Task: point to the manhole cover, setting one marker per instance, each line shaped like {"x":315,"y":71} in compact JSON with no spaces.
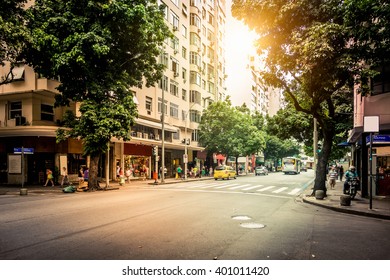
{"x":252,"y":225}
{"x":241,"y":217}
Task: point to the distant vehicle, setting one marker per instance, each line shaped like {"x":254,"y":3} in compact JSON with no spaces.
{"x":291,"y":165}
{"x":261,"y":170}
{"x":224,"y":172}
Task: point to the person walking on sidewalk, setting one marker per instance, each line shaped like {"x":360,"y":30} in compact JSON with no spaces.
{"x":341,"y":173}
{"x":332,"y":177}
{"x":64,"y":174}
{"x":49,"y":177}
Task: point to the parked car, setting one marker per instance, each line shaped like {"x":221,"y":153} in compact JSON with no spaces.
{"x":261,"y":170}
{"x":224,"y":172}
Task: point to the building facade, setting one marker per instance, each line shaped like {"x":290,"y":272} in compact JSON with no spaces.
{"x":376,"y":104}
{"x":194,"y":77}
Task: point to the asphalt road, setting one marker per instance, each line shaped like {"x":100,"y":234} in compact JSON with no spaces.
{"x":188,"y":222}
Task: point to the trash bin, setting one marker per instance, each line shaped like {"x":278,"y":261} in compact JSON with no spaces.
{"x":154,"y":175}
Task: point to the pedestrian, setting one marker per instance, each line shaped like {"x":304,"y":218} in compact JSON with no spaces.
{"x":86,"y":174}
{"x":179,"y":170}
{"x":341,"y":173}
{"x":128,"y":174}
{"x":49,"y":178}
{"x":65,"y":179}
{"x":81,"y":177}
{"x":332,"y":177}
{"x":211,"y":171}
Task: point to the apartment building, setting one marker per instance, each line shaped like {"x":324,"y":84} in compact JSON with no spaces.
{"x":252,"y":92}
{"x":194,"y":77}
{"x":376,"y":104}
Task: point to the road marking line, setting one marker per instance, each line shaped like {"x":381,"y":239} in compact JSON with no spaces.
{"x":280,"y":190}
{"x":253,"y":187}
{"x":238,"y":187}
{"x":225,"y":186}
{"x":294,"y":191}
{"x":266,"y":188}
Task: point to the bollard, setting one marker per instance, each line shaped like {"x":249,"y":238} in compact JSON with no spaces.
{"x":345,"y":200}
{"x":23,"y":191}
{"x":319,"y":194}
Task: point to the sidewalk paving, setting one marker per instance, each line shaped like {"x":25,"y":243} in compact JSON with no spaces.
{"x":359,"y":206}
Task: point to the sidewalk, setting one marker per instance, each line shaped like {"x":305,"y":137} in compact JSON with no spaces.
{"x":359,"y":206}
{"x":113,"y":185}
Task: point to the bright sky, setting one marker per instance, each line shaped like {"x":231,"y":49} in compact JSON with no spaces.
{"x":239,"y":44}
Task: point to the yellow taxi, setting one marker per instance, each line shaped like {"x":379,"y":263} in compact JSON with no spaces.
{"x":224,"y":172}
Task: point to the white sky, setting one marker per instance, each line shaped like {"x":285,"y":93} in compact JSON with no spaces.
{"x":239,"y":44}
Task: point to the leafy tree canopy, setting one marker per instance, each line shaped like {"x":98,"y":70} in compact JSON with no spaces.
{"x":13,"y":35}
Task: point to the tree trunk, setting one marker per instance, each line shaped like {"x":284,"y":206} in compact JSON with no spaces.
{"x":93,"y":183}
{"x":320,"y":179}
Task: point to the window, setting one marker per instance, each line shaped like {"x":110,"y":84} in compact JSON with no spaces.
{"x":210,"y":87}
{"x":174,"y":110}
{"x":164,"y":82}
{"x":160,"y":107}
{"x":47,"y":112}
{"x":195,"y":96}
{"x":164,"y":59}
{"x":174,"y":88}
{"x":195,"y":39}
{"x":184,"y":52}
{"x":184,"y":31}
{"x":195,"y":20}
{"x":195,"y":78}
{"x":15,"y":109}
{"x":184,"y":74}
{"x":184,"y":94}
{"x":175,"y":66}
{"x":195,"y":116}
{"x":195,"y":59}
{"x":211,"y":19}
{"x":174,"y":20}
{"x":195,"y":135}
{"x":176,"y":2}
{"x":175,"y":44}
{"x":148,"y":103}
{"x":165,"y":9}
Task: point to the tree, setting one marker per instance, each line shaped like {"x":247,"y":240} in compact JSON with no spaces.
{"x":309,"y":54}
{"x":13,"y":35}
{"x":99,"y":49}
{"x":230,"y":131}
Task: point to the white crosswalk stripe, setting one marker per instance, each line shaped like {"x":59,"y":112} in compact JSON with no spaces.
{"x":294,"y":191}
{"x":253,"y":187}
{"x":266,"y":188}
{"x":280,"y":190}
{"x":239,"y":187}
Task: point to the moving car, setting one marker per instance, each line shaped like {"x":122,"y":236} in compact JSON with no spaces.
{"x":224,"y":172}
{"x":261,"y":170}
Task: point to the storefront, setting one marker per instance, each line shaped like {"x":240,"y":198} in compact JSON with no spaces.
{"x":381,"y":163}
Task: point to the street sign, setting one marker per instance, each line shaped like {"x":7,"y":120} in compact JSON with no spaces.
{"x":185,"y":158}
{"x":27,"y":151}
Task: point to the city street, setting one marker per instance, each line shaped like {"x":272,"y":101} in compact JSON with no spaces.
{"x":251,"y":217}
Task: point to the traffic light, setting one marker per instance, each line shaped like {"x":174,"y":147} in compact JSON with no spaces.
{"x":155,"y":150}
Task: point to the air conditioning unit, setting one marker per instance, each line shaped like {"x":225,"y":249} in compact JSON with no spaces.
{"x":148,"y":112}
{"x":175,"y":28}
{"x":157,"y":137}
{"x":176,"y":74}
{"x":176,"y":51}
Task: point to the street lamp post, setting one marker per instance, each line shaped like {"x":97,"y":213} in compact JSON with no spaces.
{"x":162,"y":134}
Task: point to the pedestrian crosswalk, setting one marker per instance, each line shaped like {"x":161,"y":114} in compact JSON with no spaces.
{"x":292,"y":190}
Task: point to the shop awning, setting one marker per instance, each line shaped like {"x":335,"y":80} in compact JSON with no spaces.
{"x":43,"y":131}
{"x":344,"y":144}
{"x":157,"y":125}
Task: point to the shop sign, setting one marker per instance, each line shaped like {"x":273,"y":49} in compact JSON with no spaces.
{"x":378,"y":139}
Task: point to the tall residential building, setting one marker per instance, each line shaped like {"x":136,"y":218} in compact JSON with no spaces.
{"x":247,"y":88}
{"x":194,"y":77}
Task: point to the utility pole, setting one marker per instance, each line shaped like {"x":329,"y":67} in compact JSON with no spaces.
{"x":162,"y":133}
